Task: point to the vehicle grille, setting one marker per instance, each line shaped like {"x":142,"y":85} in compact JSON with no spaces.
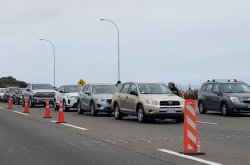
{"x":169,"y":103}
{"x":44,"y":94}
{"x":246,"y":100}
{"x":109,"y":101}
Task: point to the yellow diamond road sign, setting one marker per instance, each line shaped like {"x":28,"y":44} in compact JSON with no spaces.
{"x":81,"y":82}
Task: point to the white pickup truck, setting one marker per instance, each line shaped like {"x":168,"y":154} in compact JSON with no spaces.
{"x":68,"y":94}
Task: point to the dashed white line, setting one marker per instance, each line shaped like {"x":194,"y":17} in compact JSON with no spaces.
{"x":189,"y":157}
{"x":204,"y":122}
{"x":69,"y":125}
{"x":21,"y":113}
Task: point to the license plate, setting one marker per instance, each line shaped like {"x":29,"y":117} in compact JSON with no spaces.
{"x":170,"y":111}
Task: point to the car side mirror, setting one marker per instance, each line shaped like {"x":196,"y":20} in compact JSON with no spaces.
{"x":87,"y":92}
{"x":60,"y":91}
{"x":133,"y":93}
{"x":218,"y":93}
{"x":28,"y":90}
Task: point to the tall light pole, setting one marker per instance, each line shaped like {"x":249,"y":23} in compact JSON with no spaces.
{"x":54,"y":58}
{"x":118,"y":46}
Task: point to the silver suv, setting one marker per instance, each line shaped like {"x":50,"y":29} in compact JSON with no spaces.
{"x":95,"y":98}
{"x":147,"y":100}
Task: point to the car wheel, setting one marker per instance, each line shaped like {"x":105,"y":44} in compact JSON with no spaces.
{"x":56,"y":107}
{"x":92,"y":109}
{"x":179,"y":119}
{"x":65,"y":108}
{"x":225,"y":110}
{"x":141,"y":117}
{"x":79,"y":109}
{"x":202,"y":110}
{"x":117,"y":113}
{"x":30,"y":103}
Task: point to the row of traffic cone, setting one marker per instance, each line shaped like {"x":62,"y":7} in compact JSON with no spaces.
{"x":47,"y":110}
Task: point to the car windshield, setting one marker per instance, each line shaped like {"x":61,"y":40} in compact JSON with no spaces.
{"x":71,"y":89}
{"x":235,"y":88}
{"x":2,"y":90}
{"x":12,"y":89}
{"x":103,"y":89}
{"x":41,"y":86}
{"x":20,"y":91}
{"x":154,"y":88}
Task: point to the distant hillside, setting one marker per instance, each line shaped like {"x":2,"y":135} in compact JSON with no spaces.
{"x":11,"y":81}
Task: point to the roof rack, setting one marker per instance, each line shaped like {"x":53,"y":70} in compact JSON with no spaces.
{"x":222,"y":80}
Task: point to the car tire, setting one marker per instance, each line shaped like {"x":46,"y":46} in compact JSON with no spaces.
{"x":117,"y":112}
{"x":79,"y":108}
{"x":93,"y":110}
{"x":201,"y":108}
{"x":141,"y":117}
{"x":30,"y":103}
{"x":56,"y":107}
{"x":225,"y":110}
{"x":179,"y":119}
{"x":65,"y":108}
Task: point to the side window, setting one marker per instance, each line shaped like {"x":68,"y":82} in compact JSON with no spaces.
{"x":120,"y":87}
{"x":216,"y":88}
{"x":86,"y":88}
{"x":132,"y":88}
{"x":204,"y":87}
{"x":209,"y":87}
{"x":125,"y":88}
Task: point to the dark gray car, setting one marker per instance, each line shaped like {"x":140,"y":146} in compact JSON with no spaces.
{"x":225,"y":96}
{"x":96,"y":98}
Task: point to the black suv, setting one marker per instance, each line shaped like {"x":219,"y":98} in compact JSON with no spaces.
{"x":226,"y":96}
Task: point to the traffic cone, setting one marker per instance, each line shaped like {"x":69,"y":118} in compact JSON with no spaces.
{"x":10,"y":103}
{"x":60,"y":114}
{"x":25,"y":108}
{"x":191,"y":143}
{"x":47,"y":110}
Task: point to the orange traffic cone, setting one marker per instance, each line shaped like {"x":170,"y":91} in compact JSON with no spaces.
{"x":25,"y":108}
{"x":47,"y":110}
{"x":60,"y":114}
{"x":190,"y":139}
{"x":10,"y":103}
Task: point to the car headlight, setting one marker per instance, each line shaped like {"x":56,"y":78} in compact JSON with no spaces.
{"x":152,"y":102}
{"x":182,"y":102}
{"x":235,"y":99}
{"x":100,"y":99}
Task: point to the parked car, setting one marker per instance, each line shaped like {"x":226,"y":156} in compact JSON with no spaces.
{"x":17,"y":96}
{"x":38,"y":94}
{"x":147,"y":101}
{"x":225,"y":96}
{"x":68,"y":94}
{"x":8,"y":93}
{"x":96,"y":98}
{"x":2,"y":91}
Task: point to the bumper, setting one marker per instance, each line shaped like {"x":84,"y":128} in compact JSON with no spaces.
{"x":163,"y":111}
{"x":240,"y":107}
{"x":71,"y":102}
{"x":103,"y":106}
{"x":37,"y":100}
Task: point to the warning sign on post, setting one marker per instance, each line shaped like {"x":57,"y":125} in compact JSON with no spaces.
{"x":81,"y":82}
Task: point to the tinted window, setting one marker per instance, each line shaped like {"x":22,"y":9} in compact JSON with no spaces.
{"x":125,"y":88}
{"x":204,"y":87}
{"x":216,"y":88}
{"x":103,"y":89}
{"x":154,"y":88}
{"x":209,"y":87}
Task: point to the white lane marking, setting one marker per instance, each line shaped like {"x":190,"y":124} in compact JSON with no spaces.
{"x":204,"y":122}
{"x":189,"y":157}
{"x":21,"y":113}
{"x":69,"y":125}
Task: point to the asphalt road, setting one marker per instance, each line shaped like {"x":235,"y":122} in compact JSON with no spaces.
{"x":32,"y":140}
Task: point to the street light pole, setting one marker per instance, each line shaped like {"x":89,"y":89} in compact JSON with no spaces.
{"x":54,"y":59}
{"x":118,"y":45}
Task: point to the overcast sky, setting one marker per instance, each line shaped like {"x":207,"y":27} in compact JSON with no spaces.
{"x":185,"y":41}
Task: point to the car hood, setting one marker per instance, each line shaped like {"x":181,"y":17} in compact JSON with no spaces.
{"x":104,"y":96}
{"x":72,"y":94}
{"x":238,"y":94}
{"x":165,"y":97}
{"x":43,"y":90}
